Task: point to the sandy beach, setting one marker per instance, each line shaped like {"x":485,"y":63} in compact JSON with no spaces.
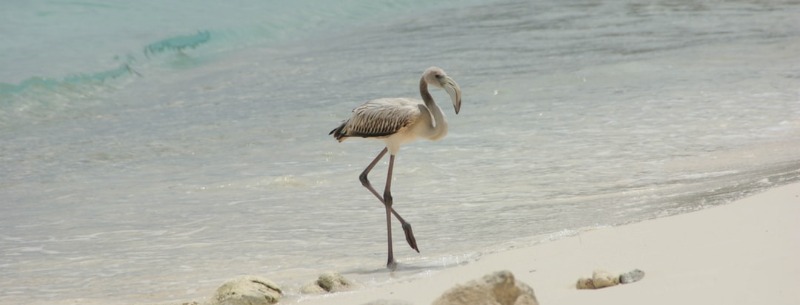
{"x":744,"y":252}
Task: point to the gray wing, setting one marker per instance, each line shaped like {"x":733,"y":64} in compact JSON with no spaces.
{"x":379,"y":118}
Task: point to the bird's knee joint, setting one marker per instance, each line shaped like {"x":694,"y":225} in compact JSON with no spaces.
{"x":363,"y":179}
{"x":387,"y":198}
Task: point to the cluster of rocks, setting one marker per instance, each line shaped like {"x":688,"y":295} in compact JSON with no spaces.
{"x":498,"y":288}
{"x":256,"y":290}
{"x":602,"y":279}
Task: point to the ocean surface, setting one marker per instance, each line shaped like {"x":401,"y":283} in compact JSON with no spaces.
{"x":151,"y":150}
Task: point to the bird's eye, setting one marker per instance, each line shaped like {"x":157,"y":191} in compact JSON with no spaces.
{"x":439,"y":76}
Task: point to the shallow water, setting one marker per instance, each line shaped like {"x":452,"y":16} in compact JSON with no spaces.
{"x":199,"y":163}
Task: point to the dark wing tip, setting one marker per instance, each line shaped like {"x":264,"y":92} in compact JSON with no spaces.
{"x":337,"y":132}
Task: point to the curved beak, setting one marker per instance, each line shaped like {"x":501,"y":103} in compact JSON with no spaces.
{"x":454,"y":91}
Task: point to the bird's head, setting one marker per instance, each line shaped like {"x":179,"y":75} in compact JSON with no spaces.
{"x":436,"y":77}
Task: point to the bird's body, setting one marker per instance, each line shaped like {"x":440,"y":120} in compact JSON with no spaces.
{"x":398,"y":121}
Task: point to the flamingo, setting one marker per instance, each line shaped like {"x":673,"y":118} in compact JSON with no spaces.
{"x":397,"y":121}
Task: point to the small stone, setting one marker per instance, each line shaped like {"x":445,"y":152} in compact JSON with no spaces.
{"x":634,"y":275}
{"x":312,"y":288}
{"x":584,"y":283}
{"x":248,"y":290}
{"x":332,"y":281}
{"x":328,"y":282}
{"x":602,"y":279}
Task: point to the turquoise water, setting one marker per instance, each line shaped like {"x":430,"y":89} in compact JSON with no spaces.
{"x":59,"y":52}
{"x":167,"y":147}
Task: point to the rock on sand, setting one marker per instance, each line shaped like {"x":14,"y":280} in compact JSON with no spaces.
{"x":497,"y":288}
{"x":328,"y":282}
{"x":601,"y":279}
{"x":634,"y":275}
{"x":247,"y":290}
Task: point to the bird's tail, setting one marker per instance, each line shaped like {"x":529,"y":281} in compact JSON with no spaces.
{"x":337,"y":132}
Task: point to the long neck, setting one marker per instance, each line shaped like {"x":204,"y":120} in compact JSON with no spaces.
{"x":438,"y":128}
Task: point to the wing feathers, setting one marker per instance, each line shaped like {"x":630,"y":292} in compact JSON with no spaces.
{"x":378,"y":118}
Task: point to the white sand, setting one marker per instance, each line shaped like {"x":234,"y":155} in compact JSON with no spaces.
{"x":746,"y":252}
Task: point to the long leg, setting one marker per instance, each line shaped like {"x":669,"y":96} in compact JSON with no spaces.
{"x":365,"y":182}
{"x":387,"y":202}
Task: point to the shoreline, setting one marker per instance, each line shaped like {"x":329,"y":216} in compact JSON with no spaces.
{"x":743,"y":252}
